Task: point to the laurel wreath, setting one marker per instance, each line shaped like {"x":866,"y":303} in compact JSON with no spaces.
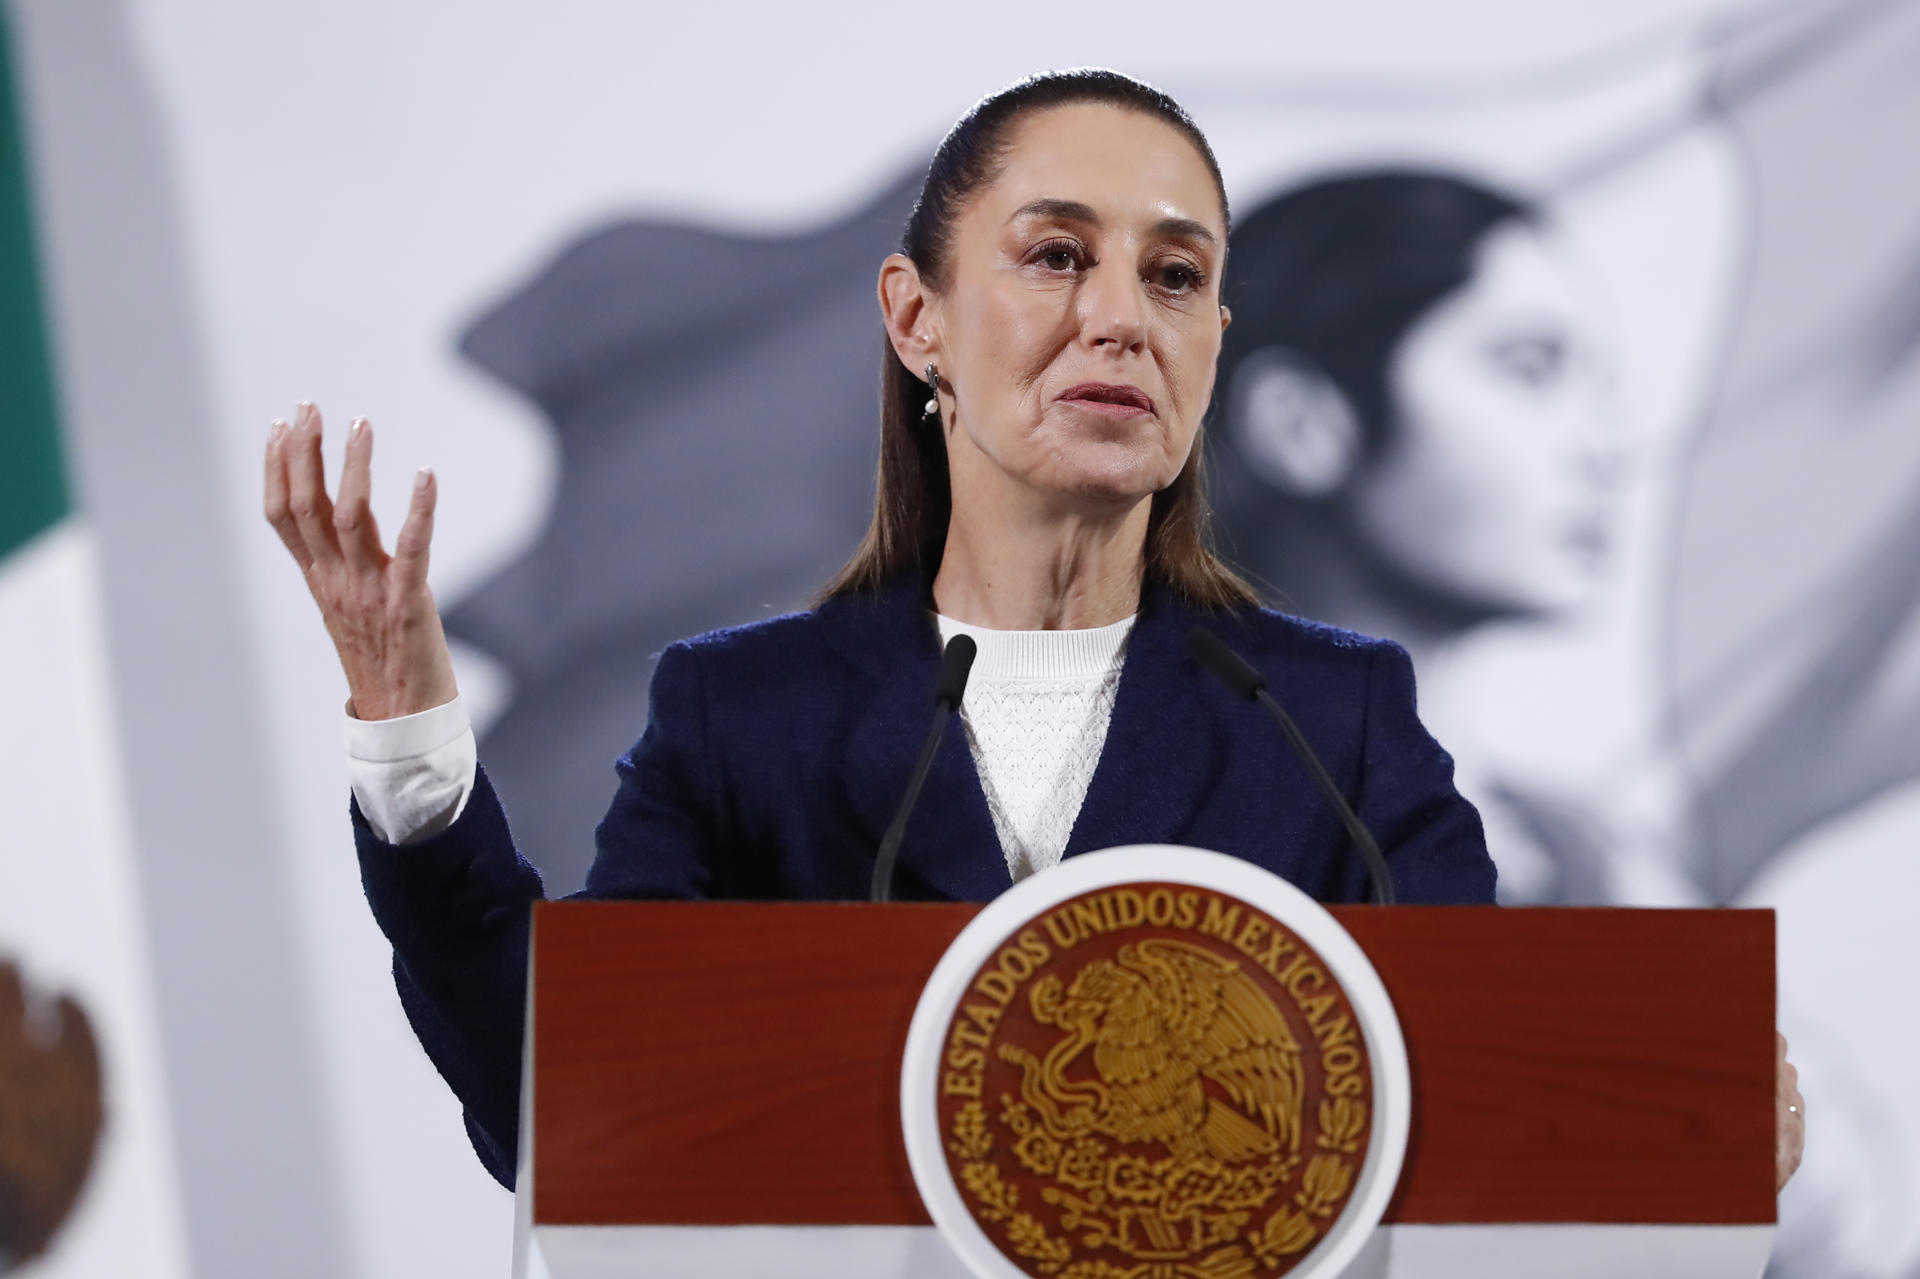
{"x":1092,"y":1185}
{"x":996,"y":1199}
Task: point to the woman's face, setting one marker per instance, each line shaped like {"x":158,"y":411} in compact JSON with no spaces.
{"x":1493,"y":489}
{"x":1080,"y":323}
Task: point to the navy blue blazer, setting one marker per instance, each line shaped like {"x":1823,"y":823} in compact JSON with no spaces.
{"x":775,"y":753}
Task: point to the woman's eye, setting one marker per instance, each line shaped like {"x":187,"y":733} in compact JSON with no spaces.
{"x":1059,"y":257}
{"x":1178,"y":277}
{"x":1534,"y":362}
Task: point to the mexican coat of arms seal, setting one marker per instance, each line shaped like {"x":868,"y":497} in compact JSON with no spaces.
{"x":1151,"y":1079}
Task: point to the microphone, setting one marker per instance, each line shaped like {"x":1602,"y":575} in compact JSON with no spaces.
{"x":1239,"y":675}
{"x":956,"y":662}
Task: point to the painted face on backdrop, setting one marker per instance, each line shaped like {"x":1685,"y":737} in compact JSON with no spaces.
{"x":1495,"y":484}
{"x":1080,"y":325}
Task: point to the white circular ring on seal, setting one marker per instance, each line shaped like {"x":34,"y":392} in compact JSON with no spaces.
{"x":1164,"y":864}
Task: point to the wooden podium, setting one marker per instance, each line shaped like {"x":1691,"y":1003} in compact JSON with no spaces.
{"x":713,"y":1089}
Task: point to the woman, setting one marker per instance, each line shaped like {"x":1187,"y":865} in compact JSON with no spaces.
{"x":1053,"y":323}
{"x":1415,"y":442}
{"x":1416,"y":401}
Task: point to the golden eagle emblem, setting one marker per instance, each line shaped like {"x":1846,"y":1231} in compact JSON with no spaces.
{"x":1178,"y":1105}
{"x":1162,"y":1017}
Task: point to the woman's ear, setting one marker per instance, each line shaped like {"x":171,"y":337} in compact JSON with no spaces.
{"x":1296,"y":429}
{"x":905,"y":307}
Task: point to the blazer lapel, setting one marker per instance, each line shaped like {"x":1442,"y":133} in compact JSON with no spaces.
{"x":950,"y":850}
{"x":1164,"y":753}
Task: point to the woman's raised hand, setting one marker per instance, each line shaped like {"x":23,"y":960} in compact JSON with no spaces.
{"x":376,"y":606}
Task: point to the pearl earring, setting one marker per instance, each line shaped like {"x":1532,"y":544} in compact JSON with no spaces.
{"x":933,"y":403}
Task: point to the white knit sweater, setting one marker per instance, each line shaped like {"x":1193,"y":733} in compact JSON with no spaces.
{"x":1036,"y":712}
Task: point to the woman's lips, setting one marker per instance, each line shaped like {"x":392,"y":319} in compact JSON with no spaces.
{"x":1109,"y":399}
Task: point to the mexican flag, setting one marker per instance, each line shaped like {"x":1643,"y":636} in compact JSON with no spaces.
{"x":70,"y":915}
{"x":34,"y":495}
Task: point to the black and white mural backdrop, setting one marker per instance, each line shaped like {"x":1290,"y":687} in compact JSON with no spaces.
{"x":1578,"y":351}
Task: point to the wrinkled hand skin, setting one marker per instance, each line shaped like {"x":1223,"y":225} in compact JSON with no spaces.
{"x":377,"y":607}
{"x":1790,"y":1115}
{"x":50,"y":1116}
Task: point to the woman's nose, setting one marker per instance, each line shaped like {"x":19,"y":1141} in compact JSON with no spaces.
{"x":1113,"y":314}
{"x":1600,"y":457}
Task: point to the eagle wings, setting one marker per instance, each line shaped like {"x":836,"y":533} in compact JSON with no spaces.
{"x":1163,"y":1017}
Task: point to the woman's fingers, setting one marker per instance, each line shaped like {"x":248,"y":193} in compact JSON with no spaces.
{"x":1792,"y":1115}
{"x":353,"y":520}
{"x":307,"y":489}
{"x":329,"y":533}
{"x":416,"y":533}
{"x":279,"y":511}
{"x":377,"y":609}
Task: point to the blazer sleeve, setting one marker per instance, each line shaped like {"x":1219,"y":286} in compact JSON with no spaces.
{"x":457,"y":907}
{"x":1435,"y":846}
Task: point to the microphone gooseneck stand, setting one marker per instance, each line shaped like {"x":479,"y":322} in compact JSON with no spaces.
{"x":1239,"y":675}
{"x":956,"y":662}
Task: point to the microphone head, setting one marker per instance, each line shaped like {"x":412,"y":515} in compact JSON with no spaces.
{"x":1227,"y":666}
{"x":956,"y":663}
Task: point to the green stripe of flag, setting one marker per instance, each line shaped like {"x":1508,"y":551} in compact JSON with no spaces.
{"x":33,"y":487}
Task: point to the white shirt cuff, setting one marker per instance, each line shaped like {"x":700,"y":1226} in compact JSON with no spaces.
{"x":413,"y":774}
